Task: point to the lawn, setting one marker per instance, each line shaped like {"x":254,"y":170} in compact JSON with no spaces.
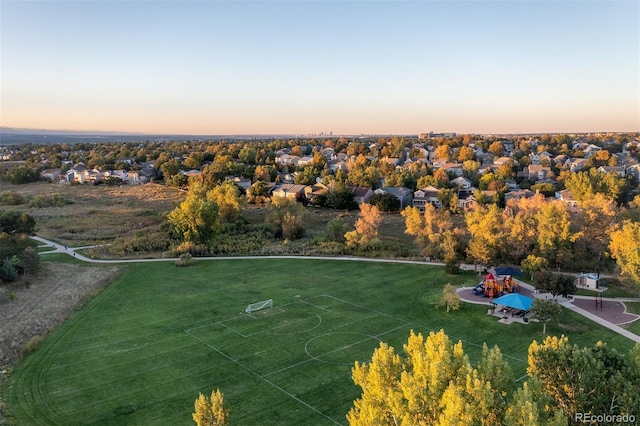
{"x":141,"y":351}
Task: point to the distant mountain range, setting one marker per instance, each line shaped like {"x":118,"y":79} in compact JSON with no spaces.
{"x":42,"y":132}
{"x":19,"y":136}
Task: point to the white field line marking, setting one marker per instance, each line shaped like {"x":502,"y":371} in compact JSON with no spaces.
{"x":318,"y":357}
{"x":450,"y":336}
{"x":265,"y":379}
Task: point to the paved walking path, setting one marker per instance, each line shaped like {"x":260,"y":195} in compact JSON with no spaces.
{"x":578,"y":304}
{"x":612,"y":315}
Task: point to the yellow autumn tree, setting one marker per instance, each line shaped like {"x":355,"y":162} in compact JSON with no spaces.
{"x":424,"y":387}
{"x":211,"y":411}
{"x":366,"y":225}
{"x":450,"y":298}
{"x":625,"y":249}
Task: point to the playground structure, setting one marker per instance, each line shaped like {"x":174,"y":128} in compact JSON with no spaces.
{"x":495,"y":287}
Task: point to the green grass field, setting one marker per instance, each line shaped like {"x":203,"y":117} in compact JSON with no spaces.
{"x":141,"y":351}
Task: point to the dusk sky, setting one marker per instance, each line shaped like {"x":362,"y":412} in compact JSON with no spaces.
{"x":298,"y":67}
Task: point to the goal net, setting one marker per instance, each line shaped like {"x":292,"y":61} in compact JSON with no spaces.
{"x":265,"y":304}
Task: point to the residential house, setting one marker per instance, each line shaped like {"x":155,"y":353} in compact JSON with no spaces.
{"x":536,"y":172}
{"x":560,"y":159}
{"x":590,"y":150}
{"x":426,"y":195}
{"x":289,"y":191}
{"x":576,"y":164}
{"x":314,"y":191}
{"x":403,"y":194}
{"x":303,"y":161}
{"x":466,"y":199}
{"x":361,"y":194}
{"x":455,"y":168}
{"x":51,"y":174}
{"x":634,"y":171}
{"x":336,"y":165}
{"x":616,"y":170}
{"x":501,"y":161}
{"x":462,"y":182}
{"x":390,"y":160}
{"x":518,"y":194}
{"x":567,"y":197}
{"x":241,"y":182}
{"x":286,"y":159}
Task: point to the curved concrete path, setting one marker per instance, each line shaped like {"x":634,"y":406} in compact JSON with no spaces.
{"x":568,"y":303}
{"x":612,"y":317}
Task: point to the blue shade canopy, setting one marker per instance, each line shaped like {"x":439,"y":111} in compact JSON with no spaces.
{"x":508,"y":270}
{"x":514,"y":300}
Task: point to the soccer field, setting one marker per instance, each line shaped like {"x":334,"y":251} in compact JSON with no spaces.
{"x":141,"y":351}
{"x":302,"y":343}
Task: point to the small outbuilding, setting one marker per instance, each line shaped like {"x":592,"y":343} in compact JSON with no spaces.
{"x":590,"y":281}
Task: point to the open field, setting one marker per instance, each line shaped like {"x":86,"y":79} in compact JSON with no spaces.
{"x":98,"y":214}
{"x":141,"y":351}
{"x":127,"y":220}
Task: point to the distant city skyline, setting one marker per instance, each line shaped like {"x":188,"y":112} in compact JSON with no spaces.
{"x":297,"y":67}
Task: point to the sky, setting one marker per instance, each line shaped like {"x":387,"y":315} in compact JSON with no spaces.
{"x":301,"y":67}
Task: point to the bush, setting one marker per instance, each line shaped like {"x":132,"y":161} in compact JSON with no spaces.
{"x":11,"y":198}
{"x":8,"y":272}
{"x":51,"y":200}
{"x":31,"y":345}
{"x":192,"y":249}
{"x":185,"y":260}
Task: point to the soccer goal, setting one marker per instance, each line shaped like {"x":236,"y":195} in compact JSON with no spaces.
{"x":265,"y":304}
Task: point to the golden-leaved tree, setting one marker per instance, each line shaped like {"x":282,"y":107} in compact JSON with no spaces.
{"x":212,"y":411}
{"x":366,"y":225}
{"x":625,"y":249}
{"x":434,"y":384}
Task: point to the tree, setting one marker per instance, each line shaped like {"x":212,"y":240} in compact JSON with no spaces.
{"x":554,"y":235}
{"x":340,"y":196}
{"x":450,"y":298}
{"x":258,"y":193}
{"x":625,"y":249}
{"x":29,"y":261}
{"x":195,"y":219}
{"x":442,"y":153}
{"x":366,"y":225}
{"x":194,"y":161}
{"x":429,"y":228}
{"x":486,"y":225}
{"x":585,"y":380}
{"x":336,"y":228}
{"x":286,"y":218}
{"x":170,"y":168}
{"x":556,"y":284}
{"x":533,"y":263}
{"x":22,"y":174}
{"x":8,"y":272}
{"x":212,"y":411}
{"x":547,"y":311}
{"x":433,"y":383}
{"x":227,"y":197}
{"x":15,"y":222}
{"x":385,"y":202}
{"x":496,"y":148}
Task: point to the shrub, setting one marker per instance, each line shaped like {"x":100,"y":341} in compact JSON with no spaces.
{"x":8,"y":272}
{"x":185,"y":260}
{"x":31,"y":345}
{"x":11,"y":198}
{"x":50,"y":200}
